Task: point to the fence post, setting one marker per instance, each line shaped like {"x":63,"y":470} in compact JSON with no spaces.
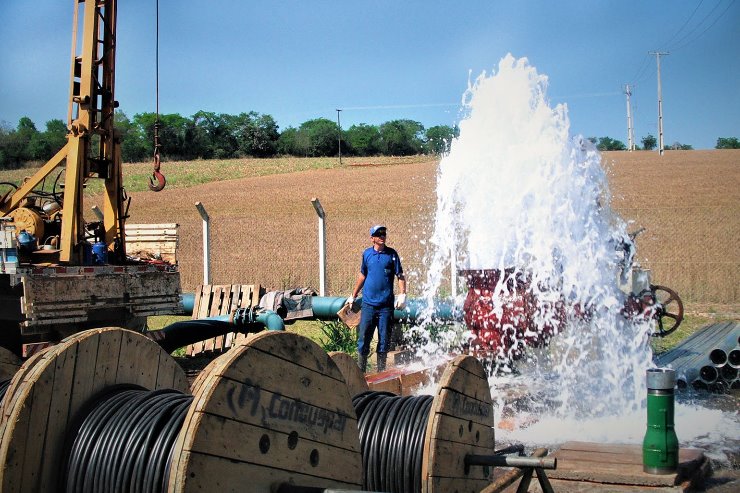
{"x":322,"y":245}
{"x":206,"y":243}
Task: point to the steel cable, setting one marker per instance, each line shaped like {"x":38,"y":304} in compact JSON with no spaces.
{"x":392,"y":431}
{"x":124,"y":443}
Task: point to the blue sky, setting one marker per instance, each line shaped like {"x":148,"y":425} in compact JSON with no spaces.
{"x":382,"y":60}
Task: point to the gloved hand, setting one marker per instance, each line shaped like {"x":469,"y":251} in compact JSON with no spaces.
{"x":350,"y":300}
{"x":400,"y":303}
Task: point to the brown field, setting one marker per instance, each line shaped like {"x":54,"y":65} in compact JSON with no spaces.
{"x":264,"y":229}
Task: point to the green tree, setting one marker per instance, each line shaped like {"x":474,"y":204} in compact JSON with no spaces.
{"x":256,"y":135}
{"x":318,"y":137}
{"x":609,"y":144}
{"x":215,"y":134}
{"x":363,"y":140}
{"x":649,"y":142}
{"x":727,"y":143}
{"x":439,"y":139}
{"x":56,"y":135}
{"x":133,"y":145}
{"x":401,"y":138}
{"x":287,"y":143}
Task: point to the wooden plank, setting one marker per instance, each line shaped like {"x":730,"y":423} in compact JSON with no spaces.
{"x":224,"y":310}
{"x":281,"y":454}
{"x":471,"y":485}
{"x":618,"y":464}
{"x":226,"y":476}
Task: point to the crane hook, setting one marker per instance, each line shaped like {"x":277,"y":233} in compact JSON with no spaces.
{"x":157,"y":181}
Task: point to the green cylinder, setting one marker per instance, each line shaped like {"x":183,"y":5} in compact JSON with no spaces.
{"x":660,"y":446}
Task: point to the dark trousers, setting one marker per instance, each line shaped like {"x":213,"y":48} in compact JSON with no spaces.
{"x":372,"y":317}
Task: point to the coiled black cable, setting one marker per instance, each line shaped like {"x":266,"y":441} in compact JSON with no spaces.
{"x":4,"y":384}
{"x":392,"y":431}
{"x":125,"y":442}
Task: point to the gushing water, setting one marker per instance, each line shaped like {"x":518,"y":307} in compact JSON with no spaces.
{"x":517,"y":191}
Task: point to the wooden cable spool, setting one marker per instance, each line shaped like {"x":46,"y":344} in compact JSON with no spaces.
{"x":460,"y":423}
{"x":353,"y":376}
{"x":274,"y":409}
{"x":51,"y":388}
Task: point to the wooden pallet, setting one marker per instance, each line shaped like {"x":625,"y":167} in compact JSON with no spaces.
{"x":214,"y":300}
{"x":155,"y":241}
{"x":595,"y":467}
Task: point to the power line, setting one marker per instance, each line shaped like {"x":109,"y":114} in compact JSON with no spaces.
{"x":667,"y":43}
{"x":708,"y":27}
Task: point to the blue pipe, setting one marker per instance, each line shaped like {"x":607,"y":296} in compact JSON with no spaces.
{"x":326,"y":308}
{"x":187,"y":300}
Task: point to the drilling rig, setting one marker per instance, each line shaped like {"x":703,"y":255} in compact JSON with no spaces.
{"x":59,"y":273}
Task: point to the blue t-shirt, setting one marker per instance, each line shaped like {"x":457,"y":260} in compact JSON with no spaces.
{"x":379,"y":269}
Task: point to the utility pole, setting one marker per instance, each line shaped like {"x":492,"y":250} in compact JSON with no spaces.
{"x":339,"y":138}
{"x":661,"y":147}
{"x":630,"y":129}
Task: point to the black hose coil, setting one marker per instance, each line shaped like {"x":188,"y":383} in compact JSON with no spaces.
{"x":125,"y":442}
{"x":392,"y":430}
{"x":4,"y":388}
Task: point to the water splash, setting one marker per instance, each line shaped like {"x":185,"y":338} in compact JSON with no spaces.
{"x":517,"y":191}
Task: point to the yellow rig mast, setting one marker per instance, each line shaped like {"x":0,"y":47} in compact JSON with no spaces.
{"x":92,"y":149}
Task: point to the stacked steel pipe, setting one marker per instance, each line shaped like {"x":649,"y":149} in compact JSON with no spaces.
{"x":709,"y":359}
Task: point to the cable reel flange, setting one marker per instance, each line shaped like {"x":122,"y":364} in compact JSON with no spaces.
{"x":274,"y":409}
{"x":460,"y":423}
{"x":48,"y":392}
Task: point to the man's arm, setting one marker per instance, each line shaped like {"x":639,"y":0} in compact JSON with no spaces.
{"x":358,"y":285}
{"x":401,"y":283}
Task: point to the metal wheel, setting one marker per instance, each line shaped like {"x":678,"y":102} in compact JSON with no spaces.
{"x":668,"y":310}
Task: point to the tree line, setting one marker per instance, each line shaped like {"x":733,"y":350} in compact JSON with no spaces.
{"x":208,"y":135}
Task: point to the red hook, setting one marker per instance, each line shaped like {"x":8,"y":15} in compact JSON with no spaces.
{"x":158,"y":185}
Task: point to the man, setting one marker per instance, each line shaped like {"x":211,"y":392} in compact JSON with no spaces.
{"x":380,"y":264}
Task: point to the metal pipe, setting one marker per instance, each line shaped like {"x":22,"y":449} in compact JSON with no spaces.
{"x":510,"y":477}
{"x":708,"y":374}
{"x":506,"y":461}
{"x":734,"y":358}
{"x":206,"y":242}
{"x":728,"y":373}
{"x":718,"y":356}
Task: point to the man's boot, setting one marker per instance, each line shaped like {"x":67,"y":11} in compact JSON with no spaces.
{"x":362,"y":362}
{"x":381,"y":361}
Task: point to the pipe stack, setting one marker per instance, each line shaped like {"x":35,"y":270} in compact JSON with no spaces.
{"x":709,"y":359}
